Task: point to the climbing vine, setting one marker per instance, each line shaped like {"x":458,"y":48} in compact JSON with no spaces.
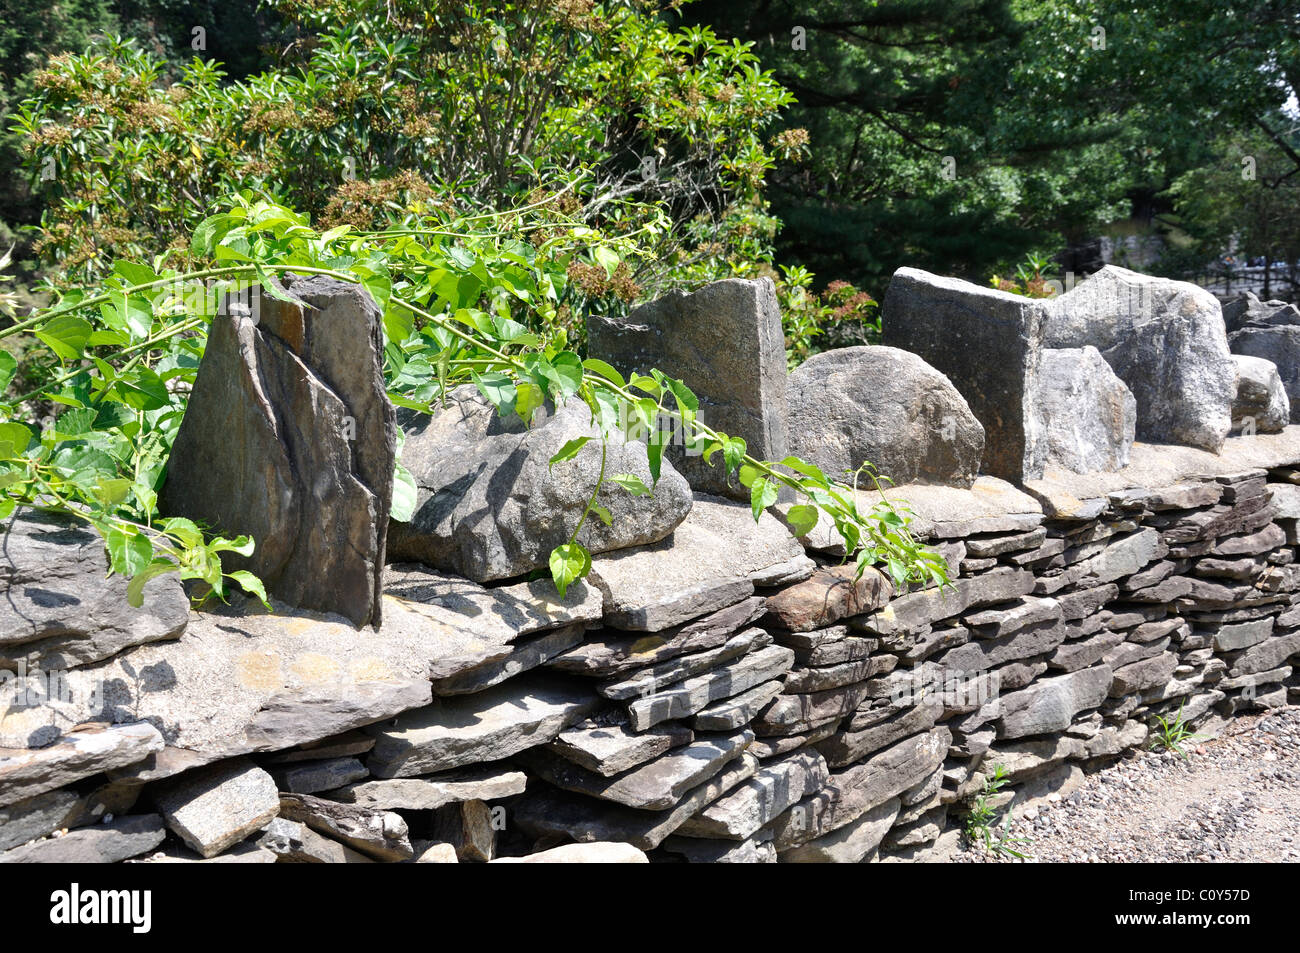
{"x":470,"y":301}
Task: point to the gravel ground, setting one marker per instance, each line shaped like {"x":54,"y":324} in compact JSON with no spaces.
{"x":1234,"y":798}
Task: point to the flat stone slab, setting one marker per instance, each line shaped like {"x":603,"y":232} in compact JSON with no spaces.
{"x":494,"y":724}
{"x":611,"y":750}
{"x":380,"y":835}
{"x":1063,"y":494}
{"x":779,"y":783}
{"x":605,"y":852}
{"x":687,"y":697}
{"x":124,"y":838}
{"x":709,"y":562}
{"x":653,"y":679}
{"x":310,"y":777}
{"x":26,"y":772}
{"x":549,"y":811}
{"x":656,"y":786}
{"x":426,"y":794}
{"x":220,"y":805}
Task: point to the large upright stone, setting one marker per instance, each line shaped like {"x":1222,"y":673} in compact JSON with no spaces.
{"x":1089,"y":413}
{"x":725,"y":342}
{"x":1279,"y":343}
{"x":289,"y":437}
{"x":1164,"y":339}
{"x":491,"y":506}
{"x":989,"y":345}
{"x":59,"y":607}
{"x":887,"y":407}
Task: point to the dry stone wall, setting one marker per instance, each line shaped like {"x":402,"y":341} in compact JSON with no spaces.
{"x":719,"y":691}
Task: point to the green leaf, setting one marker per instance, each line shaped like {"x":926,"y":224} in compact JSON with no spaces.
{"x":498,"y":389}
{"x":135,"y":587}
{"x":633,"y":484}
{"x":66,"y":336}
{"x":567,"y":368}
{"x":129,"y":551}
{"x":8,"y":367}
{"x":569,"y":563}
{"x":604,"y":370}
{"x":404,"y":495}
{"x":686,"y":399}
{"x":802,"y":519}
{"x":528,"y":398}
{"x":762,"y":494}
{"x":733,"y":453}
{"x":250,"y":584}
{"x":607,"y":258}
{"x":605,"y":516}
{"x":568,"y":451}
{"x":14,"y":439}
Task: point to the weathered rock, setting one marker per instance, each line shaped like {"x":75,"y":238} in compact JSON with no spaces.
{"x":491,"y":725}
{"x":656,"y":678}
{"x":1148,"y":673}
{"x":289,"y":437}
{"x":37,"y":816}
{"x":914,"y":611}
{"x":524,"y":655}
{"x":485,"y":783}
{"x":847,"y":747}
{"x":1246,"y":309}
{"x":689,"y":696}
{"x":887,"y":407}
{"x":608,"y":652}
{"x":437,"y":854}
{"x":696,"y":851}
{"x":125,"y":837}
{"x":61,"y":608}
{"x":1050,"y":704}
{"x":611,"y":750}
{"x":827,"y":596}
{"x":850,"y":843}
{"x":996,"y":622}
{"x":736,"y":711}
{"x":777,"y":785}
{"x":491,"y":506}
{"x":27,"y":772}
{"x":605,"y":852}
{"x":712,"y":560}
{"x":556,"y":813}
{"x":309,"y":847}
{"x":314,"y":776}
{"x":381,"y":835}
{"x":1261,"y":404}
{"x":470,"y":828}
{"x":1242,"y":635}
{"x":1266,"y":655}
{"x":725,"y":343}
{"x":1279,"y":344}
{"x":656,"y":786}
{"x":220,"y":805}
{"x":1089,"y":413}
{"x":1074,"y":655}
{"x":989,"y":345}
{"x":1165,"y":340}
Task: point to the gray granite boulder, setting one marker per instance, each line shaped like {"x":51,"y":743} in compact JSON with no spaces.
{"x":490,"y":505}
{"x":887,"y":407}
{"x":988,"y":343}
{"x":1090,"y":415}
{"x":1164,"y":339}
{"x":725,"y":342}
{"x":59,"y":607}
{"x":1246,"y":309}
{"x":289,"y":437}
{"x":1279,"y":344}
{"x":1262,"y":404}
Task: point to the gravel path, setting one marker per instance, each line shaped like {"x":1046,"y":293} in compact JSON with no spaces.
{"x":1234,"y":798}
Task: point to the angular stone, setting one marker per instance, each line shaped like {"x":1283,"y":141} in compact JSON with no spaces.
{"x":916,"y":610}
{"x":125,"y":837}
{"x":656,"y":786}
{"x":989,"y":546}
{"x":347,"y":744}
{"x":218,"y":806}
{"x":1278,"y":344}
{"x":751,"y":851}
{"x":847,"y":747}
{"x":468,"y":827}
{"x":848,"y":844}
{"x":654,"y":679}
{"x":1242,"y":635}
{"x":1143,"y":675}
{"x":525,"y":655}
{"x":1032,"y":756}
{"x":1261,"y":404}
{"x":313,"y":848}
{"x":1266,"y":655}
{"x":437,"y":854}
{"x":992,"y":623}
{"x":1165,"y":340}
{"x":794,"y":714}
{"x":777,"y":785}
{"x":828,"y":596}
{"x":491,"y":725}
{"x":37,"y":816}
{"x":687,"y":697}
{"x":485,"y":783}
{"x":314,"y":776}
{"x":708,"y":563}
{"x":1074,"y":655}
{"x":804,"y":681}
{"x":1090,"y":414}
{"x":1050,"y":704}
{"x":289,"y":438}
{"x":489,"y":505}
{"x":989,"y":345}
{"x":555,"y":813}
{"x":60,"y":606}
{"x":987,"y":653}
{"x":611,"y":750}
{"x":736,"y":711}
{"x":380,"y":835}
{"x":725,"y":343}
{"x":918,"y":429}
{"x":27,"y":772}
{"x":606,"y":652}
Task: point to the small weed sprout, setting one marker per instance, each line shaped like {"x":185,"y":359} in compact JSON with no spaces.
{"x":1170,"y":734}
{"x":983,"y":816}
